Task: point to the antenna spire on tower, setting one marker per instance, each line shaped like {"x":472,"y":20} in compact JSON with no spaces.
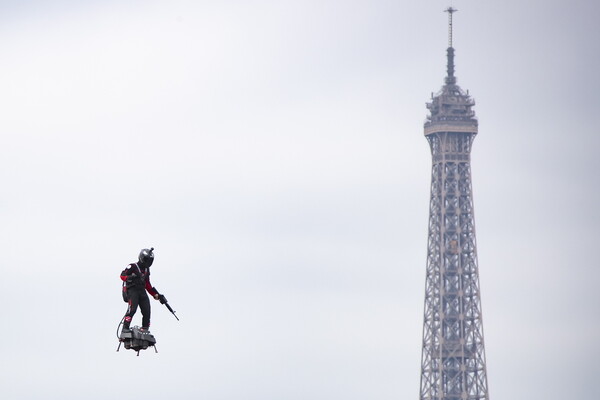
{"x":450,"y":79}
{"x":450,"y":11}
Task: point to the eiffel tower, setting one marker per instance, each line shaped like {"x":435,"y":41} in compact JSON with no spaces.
{"x":453,"y":356}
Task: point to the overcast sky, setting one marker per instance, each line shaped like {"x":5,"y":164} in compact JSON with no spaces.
{"x":273,"y":154}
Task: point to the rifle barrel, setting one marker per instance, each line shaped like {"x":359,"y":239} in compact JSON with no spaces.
{"x":170,"y":309}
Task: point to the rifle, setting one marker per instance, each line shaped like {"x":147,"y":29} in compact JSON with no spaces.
{"x":163,"y":300}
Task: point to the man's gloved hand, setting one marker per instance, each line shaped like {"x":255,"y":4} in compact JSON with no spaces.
{"x":156,"y":296}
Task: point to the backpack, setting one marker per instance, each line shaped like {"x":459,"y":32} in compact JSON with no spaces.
{"x":125,"y":294}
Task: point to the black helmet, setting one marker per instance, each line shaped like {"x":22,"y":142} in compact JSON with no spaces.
{"x":146,"y":257}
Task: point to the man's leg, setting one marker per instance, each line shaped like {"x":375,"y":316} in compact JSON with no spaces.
{"x":144,"y":303}
{"x":134,"y":299}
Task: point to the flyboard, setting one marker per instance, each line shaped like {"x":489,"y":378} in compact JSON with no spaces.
{"x":137,"y":338}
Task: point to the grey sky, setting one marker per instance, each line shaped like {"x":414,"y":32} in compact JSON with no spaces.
{"x":273,"y":154}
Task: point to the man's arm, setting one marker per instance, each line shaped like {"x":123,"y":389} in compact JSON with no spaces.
{"x":128,"y":273}
{"x":125,"y":274}
{"x":151,"y":289}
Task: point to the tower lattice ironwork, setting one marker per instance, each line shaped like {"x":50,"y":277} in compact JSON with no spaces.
{"x":453,"y":363}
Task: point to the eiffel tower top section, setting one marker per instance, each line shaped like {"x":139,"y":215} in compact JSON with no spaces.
{"x":450,"y":110}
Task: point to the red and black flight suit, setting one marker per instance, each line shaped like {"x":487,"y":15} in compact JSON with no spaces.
{"x":137,"y":282}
